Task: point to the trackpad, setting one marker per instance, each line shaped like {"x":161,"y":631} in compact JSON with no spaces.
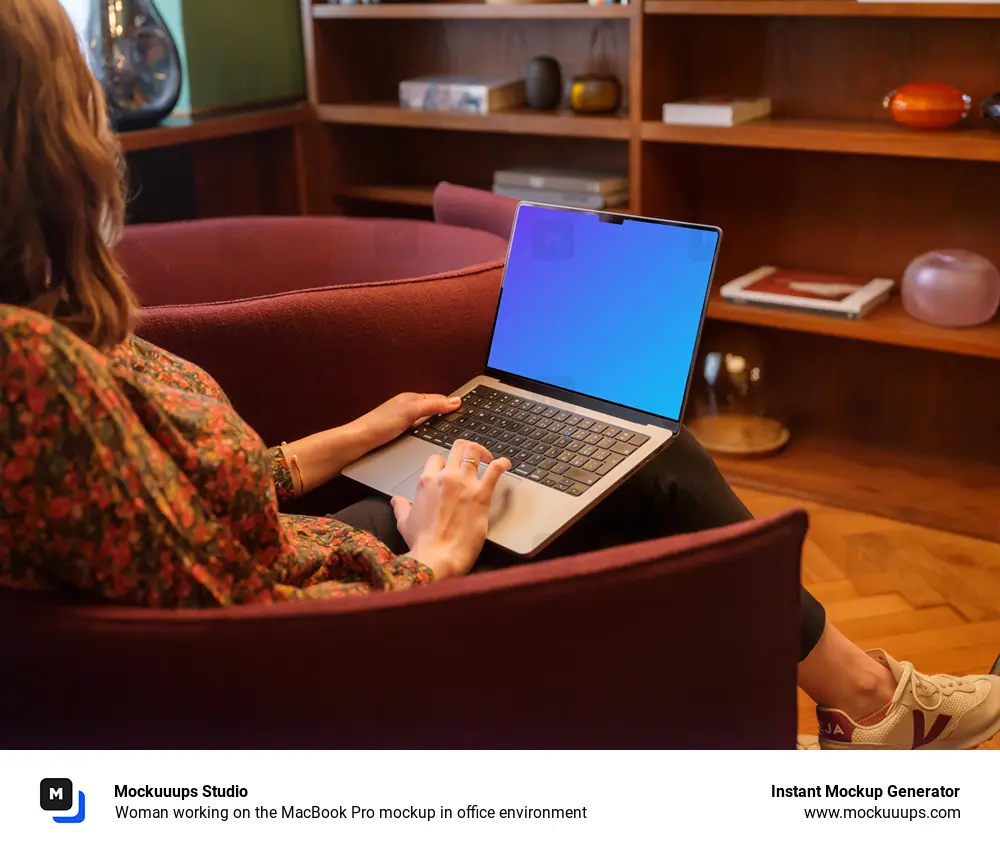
{"x":407,"y":488}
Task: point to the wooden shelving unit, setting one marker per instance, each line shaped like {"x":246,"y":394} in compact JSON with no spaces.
{"x":873,"y":138}
{"x":889,"y":325}
{"x":821,"y":9}
{"x":250,"y":161}
{"x":523,"y":121}
{"x":887,"y":414}
{"x":470,"y":11}
{"x":188,"y":130}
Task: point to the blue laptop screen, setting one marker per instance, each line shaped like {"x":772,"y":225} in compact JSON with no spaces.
{"x":608,"y":310}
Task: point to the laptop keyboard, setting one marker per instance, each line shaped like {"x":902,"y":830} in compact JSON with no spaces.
{"x":557,"y":448}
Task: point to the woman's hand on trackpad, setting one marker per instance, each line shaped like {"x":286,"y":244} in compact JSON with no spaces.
{"x":445,"y":525}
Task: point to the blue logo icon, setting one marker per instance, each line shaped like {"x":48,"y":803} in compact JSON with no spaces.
{"x":56,"y":795}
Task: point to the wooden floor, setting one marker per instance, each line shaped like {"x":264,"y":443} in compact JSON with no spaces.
{"x":922,"y":595}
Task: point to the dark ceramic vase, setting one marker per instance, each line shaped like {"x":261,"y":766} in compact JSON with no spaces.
{"x":136,"y":59}
{"x":543,"y":83}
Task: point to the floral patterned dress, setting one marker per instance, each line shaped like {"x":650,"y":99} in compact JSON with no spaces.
{"x":130,"y":477}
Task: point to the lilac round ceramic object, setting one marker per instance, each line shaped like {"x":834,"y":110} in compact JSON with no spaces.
{"x":952,"y":288}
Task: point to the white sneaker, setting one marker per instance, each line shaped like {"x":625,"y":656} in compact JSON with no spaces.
{"x":926,"y":712}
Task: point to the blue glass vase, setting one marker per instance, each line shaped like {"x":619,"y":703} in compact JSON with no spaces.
{"x":136,"y":60}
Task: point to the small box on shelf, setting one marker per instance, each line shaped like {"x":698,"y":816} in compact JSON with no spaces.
{"x":453,"y":93}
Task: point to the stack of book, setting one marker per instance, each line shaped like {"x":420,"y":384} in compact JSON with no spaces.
{"x":567,"y":187}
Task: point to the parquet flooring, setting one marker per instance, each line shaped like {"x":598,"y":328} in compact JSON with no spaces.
{"x":926,"y":596}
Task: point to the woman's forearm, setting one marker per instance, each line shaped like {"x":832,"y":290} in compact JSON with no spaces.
{"x":321,"y":457}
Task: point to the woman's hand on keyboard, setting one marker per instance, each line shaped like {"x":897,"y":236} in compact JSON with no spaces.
{"x":445,"y":525}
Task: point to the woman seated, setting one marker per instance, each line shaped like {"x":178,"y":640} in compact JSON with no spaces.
{"x":126,"y":475}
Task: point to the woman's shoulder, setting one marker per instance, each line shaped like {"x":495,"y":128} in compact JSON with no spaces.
{"x":138,"y":356}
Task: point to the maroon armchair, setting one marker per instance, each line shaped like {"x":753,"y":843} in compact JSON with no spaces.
{"x":687,"y":642}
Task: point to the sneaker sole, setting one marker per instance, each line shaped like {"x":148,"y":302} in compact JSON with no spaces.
{"x":967,"y":744}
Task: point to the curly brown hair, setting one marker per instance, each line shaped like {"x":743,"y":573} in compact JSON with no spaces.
{"x":61,"y":179}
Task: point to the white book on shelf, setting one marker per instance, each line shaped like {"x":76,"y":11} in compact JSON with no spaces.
{"x":716,"y":111}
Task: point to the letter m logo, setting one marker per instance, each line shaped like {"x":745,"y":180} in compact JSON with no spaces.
{"x":55,"y":793}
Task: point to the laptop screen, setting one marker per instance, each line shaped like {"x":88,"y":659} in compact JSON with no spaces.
{"x":605,"y":306}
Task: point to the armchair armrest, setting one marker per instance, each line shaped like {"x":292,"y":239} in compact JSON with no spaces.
{"x":474,"y":208}
{"x":299,"y":362}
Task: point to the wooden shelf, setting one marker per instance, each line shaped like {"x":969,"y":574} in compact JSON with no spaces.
{"x":960,"y":497}
{"x":182,"y":131}
{"x":821,"y":9}
{"x":889,"y":324}
{"x":856,"y":137}
{"x":520,"y":121}
{"x":412,"y":196}
{"x":487,"y":11}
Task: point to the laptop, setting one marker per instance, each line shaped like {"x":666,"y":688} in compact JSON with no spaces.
{"x":588,"y":372}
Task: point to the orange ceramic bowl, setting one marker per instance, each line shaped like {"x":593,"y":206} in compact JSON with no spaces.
{"x":929,"y":106}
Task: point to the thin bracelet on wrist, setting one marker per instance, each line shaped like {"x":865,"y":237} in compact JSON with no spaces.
{"x":296,"y":470}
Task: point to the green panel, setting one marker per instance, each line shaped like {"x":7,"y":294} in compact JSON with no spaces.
{"x":174,"y":18}
{"x":237,"y":52}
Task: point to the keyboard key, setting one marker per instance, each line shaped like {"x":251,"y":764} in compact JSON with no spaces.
{"x":547,"y":463}
{"x":606,"y":443}
{"x":537,"y":475}
{"x":516,"y":440}
{"x":561,"y":442}
{"x":639,"y":439}
{"x":539,"y":434}
{"x":586,"y":424}
{"x":549,"y":412}
{"x":556,"y":427}
{"x":582,"y":476}
{"x":624,"y":436}
{"x":587,"y":451}
{"x":623,"y":448}
{"x":524,"y":469}
{"x":566,"y":457}
{"x":521,"y":456}
{"x":592,"y":465}
{"x":591,"y":439}
{"x":601,"y":454}
{"x":552,"y":451}
{"x":578,"y":460}
{"x":575,"y":446}
{"x":561,"y":416}
{"x":611,"y":431}
{"x":451,"y":417}
{"x":598,"y":428}
{"x":527,"y":405}
{"x":520,"y":416}
{"x":555,"y":481}
{"x":579,"y":434}
{"x":612,"y":461}
{"x":577,"y":490}
{"x":549,"y":438}
{"x":574,"y":420}
{"x":567,"y":430}
{"x":529,"y":443}
{"x":531,"y":419}
{"x":559,"y":468}
{"x":535,"y":459}
{"x":538,"y":408}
